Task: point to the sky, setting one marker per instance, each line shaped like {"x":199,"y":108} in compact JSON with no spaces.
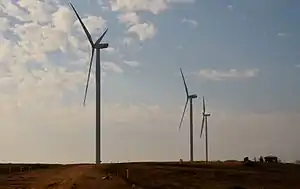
{"x":243,"y":56}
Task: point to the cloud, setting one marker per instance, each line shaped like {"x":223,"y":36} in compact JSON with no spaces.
{"x":110,"y":50}
{"x":127,"y":41}
{"x":132,"y":63}
{"x":153,"y":6}
{"x":219,"y":75}
{"x":63,"y":19}
{"x":144,"y":31}
{"x":129,"y":18}
{"x":95,"y":24}
{"x":193,"y":23}
{"x":297,"y":66}
{"x":282,"y":34}
{"x":32,"y":11}
{"x":230,"y":7}
{"x":112,"y":67}
{"x":181,"y":1}
{"x":38,"y":10}
{"x":4,"y":24}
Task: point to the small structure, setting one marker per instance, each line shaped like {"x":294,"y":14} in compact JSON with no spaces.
{"x":248,"y":162}
{"x":271,"y":159}
{"x":261,"y":159}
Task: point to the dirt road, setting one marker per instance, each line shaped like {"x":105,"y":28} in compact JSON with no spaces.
{"x":65,"y":177}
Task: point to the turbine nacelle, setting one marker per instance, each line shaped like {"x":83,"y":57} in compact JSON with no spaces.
{"x":101,"y":46}
{"x":206,"y":114}
{"x":193,"y":96}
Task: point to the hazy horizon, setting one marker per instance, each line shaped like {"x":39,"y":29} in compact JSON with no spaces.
{"x":241,"y":55}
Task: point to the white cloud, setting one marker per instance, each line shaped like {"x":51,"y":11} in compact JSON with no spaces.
{"x":35,"y":38}
{"x":181,"y":1}
{"x":127,"y":41}
{"x":297,"y":66}
{"x":282,"y":34}
{"x":38,"y":10}
{"x":112,"y":67}
{"x":132,"y":63}
{"x":4,"y":24}
{"x":63,"y":19}
{"x":129,"y":18}
{"x":95,"y":24}
{"x":110,"y":50}
{"x":230,"y":7}
{"x":144,"y":31}
{"x":193,"y":23}
{"x":14,"y":11}
{"x":219,"y":75}
{"x":154,"y":6}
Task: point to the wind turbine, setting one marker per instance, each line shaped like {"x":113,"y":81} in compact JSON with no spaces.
{"x":97,"y":45}
{"x":189,"y":97}
{"x":204,"y":122}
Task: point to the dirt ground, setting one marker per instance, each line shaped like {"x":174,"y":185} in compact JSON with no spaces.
{"x":213,"y":176}
{"x":155,"y":175}
{"x":63,"y":177}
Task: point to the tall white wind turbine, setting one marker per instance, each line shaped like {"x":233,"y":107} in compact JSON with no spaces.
{"x":189,"y":98}
{"x":97,"y":45}
{"x":204,"y":123}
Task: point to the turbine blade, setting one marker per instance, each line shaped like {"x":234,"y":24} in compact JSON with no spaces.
{"x":184,"y":110}
{"x":185,"y":86}
{"x":88,"y":79}
{"x":100,"y":39}
{"x":203,"y":103}
{"x":202,"y":126}
{"x":83,"y":26}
